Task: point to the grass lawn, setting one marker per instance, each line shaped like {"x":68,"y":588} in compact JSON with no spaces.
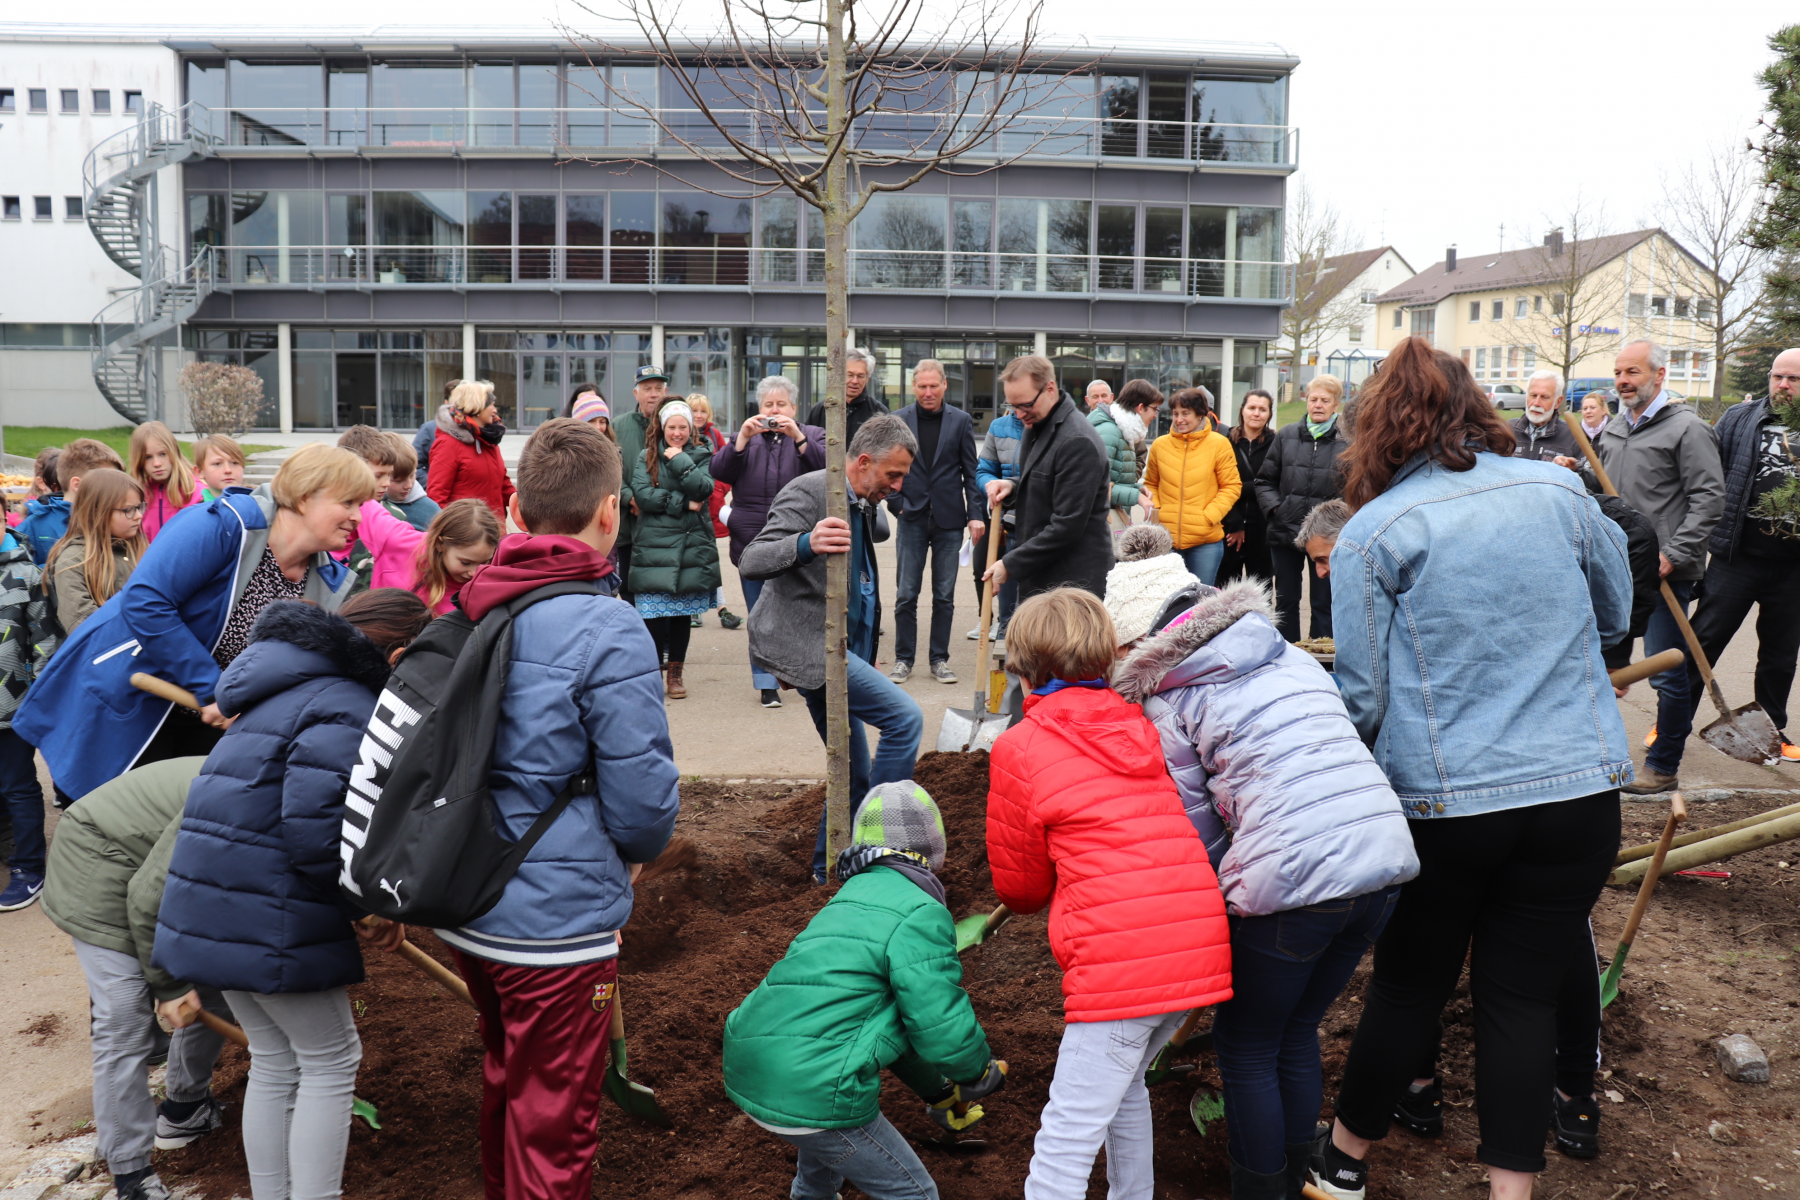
{"x":27,"y":440}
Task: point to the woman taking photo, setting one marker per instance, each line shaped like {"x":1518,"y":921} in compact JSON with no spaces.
{"x":674,"y":556}
{"x":105,"y":542}
{"x":465,"y":458}
{"x":771,"y":449}
{"x":1246,"y":530}
{"x":1191,"y":482}
{"x":1300,"y":472}
{"x":186,"y":614}
{"x":1498,"y":731}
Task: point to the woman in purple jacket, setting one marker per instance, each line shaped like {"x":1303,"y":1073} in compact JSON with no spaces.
{"x":770,"y":449}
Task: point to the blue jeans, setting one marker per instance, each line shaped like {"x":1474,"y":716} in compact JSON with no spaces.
{"x":1203,"y":560}
{"x":760,"y":679}
{"x":1674,"y":712}
{"x":879,"y":701}
{"x":874,"y":1157}
{"x":1286,"y":969}
{"x":917,"y":539}
{"x":24,"y":797}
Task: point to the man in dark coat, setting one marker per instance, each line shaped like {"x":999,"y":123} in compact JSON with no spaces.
{"x":859,"y":403}
{"x":940,"y":499}
{"x":1062,"y":493}
{"x":1541,"y":434}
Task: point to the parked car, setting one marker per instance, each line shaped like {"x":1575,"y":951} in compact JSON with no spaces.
{"x":1578,"y":388}
{"x":1507,"y":395}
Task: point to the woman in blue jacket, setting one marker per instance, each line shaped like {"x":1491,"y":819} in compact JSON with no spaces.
{"x":185,"y":615}
{"x":252,"y":905}
{"x":1495,"y":724}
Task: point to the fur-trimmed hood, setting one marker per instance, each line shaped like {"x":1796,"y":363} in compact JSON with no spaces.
{"x":291,"y":642}
{"x":446,"y":421}
{"x":1148,"y":668}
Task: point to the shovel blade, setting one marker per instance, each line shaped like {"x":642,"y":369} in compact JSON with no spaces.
{"x":1207,"y":1106}
{"x":1746,"y":734}
{"x":1609,"y":979}
{"x":636,"y":1099}
{"x":967,"y":729}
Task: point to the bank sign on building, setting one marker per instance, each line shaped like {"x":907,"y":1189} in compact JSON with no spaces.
{"x":362,"y":214}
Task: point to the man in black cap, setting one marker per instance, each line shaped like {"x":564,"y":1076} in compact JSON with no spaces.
{"x":651,"y":387}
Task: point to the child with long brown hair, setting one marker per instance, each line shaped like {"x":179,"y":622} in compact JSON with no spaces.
{"x":105,"y":542}
{"x":157,"y":465}
{"x":436,"y":563}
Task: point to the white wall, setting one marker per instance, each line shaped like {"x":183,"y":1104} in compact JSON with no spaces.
{"x":1390,"y":270}
{"x":52,"y":387}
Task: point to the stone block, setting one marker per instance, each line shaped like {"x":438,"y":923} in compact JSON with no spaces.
{"x":1742,"y":1059}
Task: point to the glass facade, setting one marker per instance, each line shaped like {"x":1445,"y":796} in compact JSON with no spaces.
{"x":253,"y":348}
{"x":391,"y":379}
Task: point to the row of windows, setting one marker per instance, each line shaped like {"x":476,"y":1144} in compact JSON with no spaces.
{"x":1521,"y":307}
{"x":1640,"y":304}
{"x":43,"y":208}
{"x":1518,"y":362}
{"x":38,"y":100}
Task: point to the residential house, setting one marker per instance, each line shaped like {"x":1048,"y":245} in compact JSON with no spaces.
{"x":1343,"y":296}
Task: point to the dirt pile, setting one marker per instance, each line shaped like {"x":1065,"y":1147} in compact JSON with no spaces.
{"x":700,"y":940}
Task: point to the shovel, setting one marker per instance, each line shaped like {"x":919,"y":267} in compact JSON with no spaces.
{"x":1746,"y":734}
{"x":979,"y":727}
{"x":975,"y":929}
{"x":1161,"y":1068}
{"x":636,"y":1099}
{"x":1609,"y":982}
{"x":235,"y":1035}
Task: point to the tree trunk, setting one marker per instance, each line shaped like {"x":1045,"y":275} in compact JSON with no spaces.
{"x":837,"y":503}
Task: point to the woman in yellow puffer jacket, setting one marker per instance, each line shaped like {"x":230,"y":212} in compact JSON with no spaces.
{"x":1191,"y":481}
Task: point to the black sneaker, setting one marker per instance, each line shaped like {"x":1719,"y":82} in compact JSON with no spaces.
{"x":729,"y":619}
{"x":1335,"y":1173}
{"x":771,"y":698}
{"x":141,"y":1185}
{"x":173,"y":1134}
{"x":1420,"y":1110}
{"x":1577,"y":1125}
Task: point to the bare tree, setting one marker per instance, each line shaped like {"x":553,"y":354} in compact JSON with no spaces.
{"x":1323,"y":303}
{"x":1711,"y":208}
{"x":1577,"y":298}
{"x":838,"y":102}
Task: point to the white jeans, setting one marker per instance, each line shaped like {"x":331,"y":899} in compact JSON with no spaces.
{"x":1097,"y":1096}
{"x":304,"y":1052}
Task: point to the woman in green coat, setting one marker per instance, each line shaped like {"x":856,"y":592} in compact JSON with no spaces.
{"x":1124,"y":427}
{"x":674,"y":556}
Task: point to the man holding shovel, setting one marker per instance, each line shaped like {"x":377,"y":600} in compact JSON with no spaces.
{"x":1664,"y":460}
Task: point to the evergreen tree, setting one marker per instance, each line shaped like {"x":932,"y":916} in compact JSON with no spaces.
{"x":1779,"y":227}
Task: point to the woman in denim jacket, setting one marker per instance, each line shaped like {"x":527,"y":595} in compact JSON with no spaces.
{"x":1471,"y":595}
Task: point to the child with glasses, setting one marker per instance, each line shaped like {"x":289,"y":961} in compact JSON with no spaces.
{"x":105,"y":542}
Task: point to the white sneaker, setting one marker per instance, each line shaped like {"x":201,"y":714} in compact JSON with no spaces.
{"x":975,"y":634}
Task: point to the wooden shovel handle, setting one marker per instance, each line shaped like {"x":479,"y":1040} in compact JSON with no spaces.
{"x":447,"y":979}
{"x":1677,"y":814}
{"x":1656,"y":664}
{"x":163,"y":689}
{"x":225,"y":1029}
{"x":987,"y":600}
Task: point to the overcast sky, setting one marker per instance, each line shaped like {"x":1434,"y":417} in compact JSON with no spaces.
{"x":1426,"y":124}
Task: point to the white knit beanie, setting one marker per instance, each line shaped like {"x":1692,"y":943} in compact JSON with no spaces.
{"x":1147,"y":574}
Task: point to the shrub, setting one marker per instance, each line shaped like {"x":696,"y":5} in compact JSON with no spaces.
{"x":221,"y":397}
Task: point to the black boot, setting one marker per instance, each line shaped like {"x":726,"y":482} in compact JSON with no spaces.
{"x":1299,"y":1158}
{"x":1249,"y":1185}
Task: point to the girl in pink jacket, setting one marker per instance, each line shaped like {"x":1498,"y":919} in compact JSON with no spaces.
{"x":159,"y":469}
{"x":434,"y":563}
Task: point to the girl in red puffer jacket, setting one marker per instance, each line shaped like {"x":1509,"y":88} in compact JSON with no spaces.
{"x":1082,"y":815}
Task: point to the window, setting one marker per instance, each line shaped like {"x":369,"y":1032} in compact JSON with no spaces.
{"x":1703,"y":310}
{"x":71,"y":100}
{"x":1682,"y":306}
{"x":1556,"y":303}
{"x":102,"y":100}
{"x":1702,"y":365}
{"x":1499,"y":310}
{"x":134,"y":102}
{"x":1424,"y":322}
{"x":1537,"y":304}
{"x":1474,"y":310}
{"x":1397,"y":314}
{"x":1356,"y":333}
{"x":1659,"y":306}
{"x":40,"y":208}
{"x":1634,"y":304}
{"x":1678,"y":364}
{"x":7,"y":103}
{"x":1514,"y":356}
{"x":279,"y":103}
{"x":9,"y":208}
{"x":1368,"y":295}
{"x":1530,"y":360}
{"x":72,"y":207}
{"x":1519,"y":308}
{"x":1480,"y":362}
{"x":40,"y":99}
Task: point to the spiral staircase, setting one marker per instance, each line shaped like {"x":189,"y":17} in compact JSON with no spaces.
{"x":119,"y":179}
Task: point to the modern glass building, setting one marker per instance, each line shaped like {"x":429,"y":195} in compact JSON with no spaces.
{"x":371,"y":219}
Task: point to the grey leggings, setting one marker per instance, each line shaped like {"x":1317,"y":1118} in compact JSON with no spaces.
{"x":304,"y":1053}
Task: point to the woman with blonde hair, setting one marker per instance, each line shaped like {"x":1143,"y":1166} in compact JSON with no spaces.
{"x":186,"y":613}
{"x":156,"y":463}
{"x":466,"y":458}
{"x":1299,"y":472}
{"x":105,"y":542}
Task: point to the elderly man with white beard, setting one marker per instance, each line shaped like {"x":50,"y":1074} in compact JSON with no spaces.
{"x":1541,"y":433}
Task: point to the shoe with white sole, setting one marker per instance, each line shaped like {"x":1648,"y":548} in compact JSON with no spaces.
{"x":21,"y":890}
{"x":1335,"y":1173}
{"x":941,"y":672}
{"x":173,"y":1135}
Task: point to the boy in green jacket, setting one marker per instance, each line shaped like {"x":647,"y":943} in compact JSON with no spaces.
{"x":873,"y":981}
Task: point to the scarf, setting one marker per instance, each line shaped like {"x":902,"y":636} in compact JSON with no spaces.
{"x":1057,"y":685}
{"x":1130,"y":424}
{"x":1319,"y":430}
{"x":854,"y":860}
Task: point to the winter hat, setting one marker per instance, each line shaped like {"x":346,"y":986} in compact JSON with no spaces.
{"x":589,"y":406}
{"x":901,"y":816}
{"x":675,"y":408}
{"x":1147,"y":574}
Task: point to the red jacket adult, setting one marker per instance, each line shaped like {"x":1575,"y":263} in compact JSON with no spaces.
{"x":468,"y":466}
{"x":721,"y":489}
{"x":1082,"y":815}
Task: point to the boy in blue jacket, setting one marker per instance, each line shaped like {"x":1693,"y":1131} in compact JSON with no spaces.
{"x":584,"y":687}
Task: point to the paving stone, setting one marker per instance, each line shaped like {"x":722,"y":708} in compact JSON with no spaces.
{"x":1742,"y":1059}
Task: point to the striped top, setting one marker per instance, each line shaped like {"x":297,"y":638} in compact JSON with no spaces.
{"x":528,"y":952}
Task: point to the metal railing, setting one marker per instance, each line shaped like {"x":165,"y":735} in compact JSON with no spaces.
{"x":626,"y":265}
{"x":456,"y":128}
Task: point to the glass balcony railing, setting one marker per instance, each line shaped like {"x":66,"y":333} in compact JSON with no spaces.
{"x":686,"y":266}
{"x":1021,"y":135}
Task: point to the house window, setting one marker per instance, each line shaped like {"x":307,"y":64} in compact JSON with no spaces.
{"x":1499,"y":310}
{"x":1519,"y":308}
{"x":1678,"y":364}
{"x":7,"y":103}
{"x":1537,"y":304}
{"x":1368,"y":296}
{"x":40,"y":99}
{"x":1530,"y":360}
{"x":72,"y":207}
{"x":40,"y":208}
{"x":71,"y":100}
{"x":1397,"y":311}
{"x":1480,"y":362}
{"x":1556,"y":303}
{"x":1514,"y":356}
{"x":1702,"y":365}
{"x":1659,"y":306}
{"x":1703,"y":309}
{"x":134,"y":102}
{"x":9,"y":208}
{"x":1424,"y":322}
{"x":1682,"y":306}
{"x":1474,"y":310}
{"x":1467,"y":356}
{"x":1356,"y":333}
{"x":102,"y":100}
{"x":1634,"y":304}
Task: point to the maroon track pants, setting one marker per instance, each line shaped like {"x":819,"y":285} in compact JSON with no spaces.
{"x":545,"y":1030}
